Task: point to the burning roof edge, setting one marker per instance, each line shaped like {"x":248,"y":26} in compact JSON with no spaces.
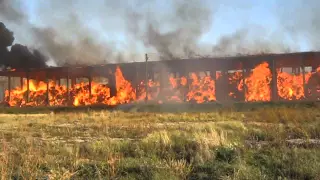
{"x":229,"y":58}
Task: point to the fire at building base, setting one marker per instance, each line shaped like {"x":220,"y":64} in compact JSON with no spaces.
{"x":271,"y":77}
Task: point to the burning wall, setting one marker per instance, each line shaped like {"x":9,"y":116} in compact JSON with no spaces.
{"x":187,"y":81}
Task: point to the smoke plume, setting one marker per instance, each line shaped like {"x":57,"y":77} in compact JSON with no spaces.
{"x":241,"y":43}
{"x":302,"y":21}
{"x":189,"y":21}
{"x":80,"y":51}
{"x":8,"y":12}
{"x":19,"y":56}
{"x":69,"y":32}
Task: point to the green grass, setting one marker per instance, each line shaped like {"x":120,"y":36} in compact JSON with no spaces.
{"x":226,"y":143}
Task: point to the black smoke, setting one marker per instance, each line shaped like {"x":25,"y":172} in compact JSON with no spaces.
{"x":19,"y":56}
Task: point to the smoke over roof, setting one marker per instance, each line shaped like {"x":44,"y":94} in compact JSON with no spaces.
{"x":19,"y":56}
{"x":70,"y":32}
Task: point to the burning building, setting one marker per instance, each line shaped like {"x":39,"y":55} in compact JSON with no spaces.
{"x":269,"y":77}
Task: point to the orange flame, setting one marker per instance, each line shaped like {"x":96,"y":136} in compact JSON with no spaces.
{"x":290,"y":87}
{"x":192,"y":88}
{"x":201,"y":89}
{"x":258,"y":84}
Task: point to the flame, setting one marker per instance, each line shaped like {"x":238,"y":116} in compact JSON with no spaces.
{"x":100,"y":94}
{"x":256,"y":86}
{"x":235,"y":80}
{"x":201,"y":89}
{"x":290,"y":87}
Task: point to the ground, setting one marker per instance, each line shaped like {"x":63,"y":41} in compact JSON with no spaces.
{"x":225,"y":143}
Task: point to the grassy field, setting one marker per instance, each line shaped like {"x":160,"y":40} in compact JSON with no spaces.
{"x":226,"y":143}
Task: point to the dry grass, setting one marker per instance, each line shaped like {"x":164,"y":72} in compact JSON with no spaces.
{"x":145,"y":145}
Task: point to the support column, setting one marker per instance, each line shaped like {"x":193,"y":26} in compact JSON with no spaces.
{"x":73,"y":81}
{"x":162,"y":79}
{"x":213,"y":76}
{"x":68,"y":88}
{"x":47,"y":93}
{"x":28,"y":86}
{"x":303,"y":78}
{"x":90,"y":82}
{"x":225,"y":85}
{"x":220,"y":85}
{"x":274,"y":88}
{"x":185,"y":89}
{"x":54,"y":79}
{"x":21,"y":82}
{"x":146,"y":77}
{"x":9,"y":88}
{"x":112,"y":83}
{"x":245,"y":73}
{"x":135,"y":81}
